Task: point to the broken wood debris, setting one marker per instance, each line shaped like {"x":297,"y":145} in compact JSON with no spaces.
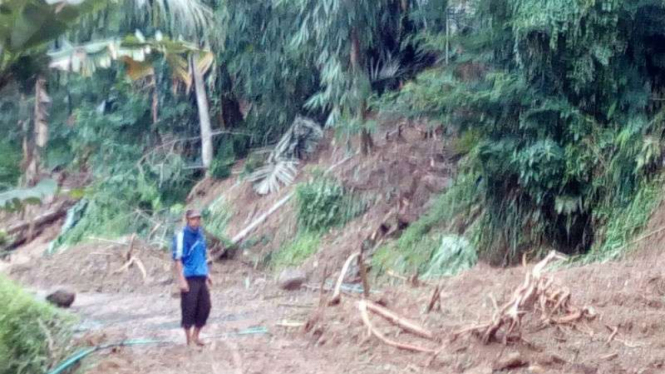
{"x":537,"y":292}
{"x":363,"y":307}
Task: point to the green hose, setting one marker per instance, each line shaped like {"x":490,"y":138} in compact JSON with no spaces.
{"x":126,"y":343}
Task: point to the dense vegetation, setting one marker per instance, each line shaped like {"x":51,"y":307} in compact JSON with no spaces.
{"x":557,"y":106}
{"x":33,"y":335}
{"x":563,"y":99}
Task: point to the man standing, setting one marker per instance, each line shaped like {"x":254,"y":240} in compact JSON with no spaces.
{"x":189,"y":254}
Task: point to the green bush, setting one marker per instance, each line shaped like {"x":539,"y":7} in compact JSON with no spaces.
{"x":324,"y":203}
{"x":622,"y":225}
{"x":454,"y":254}
{"x":220,"y":167}
{"x":252,"y":163}
{"x":27,"y":329}
{"x":451,"y":211}
{"x":296,"y":251}
{"x":567,"y":120}
{"x":10,"y":170}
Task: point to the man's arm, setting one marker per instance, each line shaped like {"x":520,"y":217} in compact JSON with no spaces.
{"x":180,"y":276}
{"x":178,"y":244}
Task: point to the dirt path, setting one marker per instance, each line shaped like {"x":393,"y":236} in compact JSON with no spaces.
{"x":628,"y":296}
{"x":244,"y":303}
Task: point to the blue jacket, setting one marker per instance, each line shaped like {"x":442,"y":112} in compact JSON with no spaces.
{"x":189,"y":246}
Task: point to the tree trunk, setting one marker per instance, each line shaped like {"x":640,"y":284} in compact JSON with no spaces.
{"x":154,"y":109}
{"x":367,"y":144}
{"x":231,"y":115}
{"x":204,"y":115}
{"x":27,"y":139}
{"x":40,"y":128}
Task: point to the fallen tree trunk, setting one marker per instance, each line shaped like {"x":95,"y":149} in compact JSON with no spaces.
{"x":46,"y":218}
{"x":393,"y":318}
{"x":257,"y":222}
{"x":362,"y":305}
{"x":337,"y":295}
{"x":24,"y":231}
{"x":242,"y":234}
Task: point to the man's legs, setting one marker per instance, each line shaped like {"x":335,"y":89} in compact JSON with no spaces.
{"x":188,"y":303}
{"x":202,"y":313}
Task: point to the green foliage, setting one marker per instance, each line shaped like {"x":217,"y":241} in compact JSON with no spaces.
{"x":10,"y":171}
{"x":252,"y":163}
{"x":26,"y":26}
{"x":16,"y":199}
{"x":295,"y":252}
{"x":421,"y":241}
{"x":623,"y":224}
{"x":27,"y":328}
{"x":324,"y":203}
{"x":220,"y":168}
{"x":216,"y":217}
{"x":453,"y":255}
{"x":263,"y":68}
{"x":558,"y":97}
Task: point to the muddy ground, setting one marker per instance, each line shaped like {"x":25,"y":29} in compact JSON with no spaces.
{"x":626,"y":336}
{"x":628,"y":296}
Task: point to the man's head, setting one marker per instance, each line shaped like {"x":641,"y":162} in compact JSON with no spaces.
{"x":193,"y":217}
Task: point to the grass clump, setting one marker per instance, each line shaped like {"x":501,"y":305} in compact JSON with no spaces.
{"x":324,"y":203}
{"x":295,"y":252}
{"x":416,"y":250}
{"x":27,"y":329}
{"x":623,"y":224}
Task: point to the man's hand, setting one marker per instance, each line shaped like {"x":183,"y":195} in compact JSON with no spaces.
{"x":182,"y":282}
{"x":209,"y":281}
{"x":184,"y":286}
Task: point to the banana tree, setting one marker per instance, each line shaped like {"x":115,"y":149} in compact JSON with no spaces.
{"x":27,"y":26}
{"x":187,"y":62}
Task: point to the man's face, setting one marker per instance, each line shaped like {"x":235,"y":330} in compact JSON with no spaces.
{"x":194,"y":222}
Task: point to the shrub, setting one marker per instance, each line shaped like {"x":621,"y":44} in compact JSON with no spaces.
{"x":324,"y":203}
{"x":297,"y":251}
{"x":220,"y":167}
{"x":33,"y":335}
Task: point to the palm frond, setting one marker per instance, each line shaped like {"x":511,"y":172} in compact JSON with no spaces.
{"x":185,"y":17}
{"x":386,"y":69}
{"x":301,"y":139}
{"x":269,"y":178}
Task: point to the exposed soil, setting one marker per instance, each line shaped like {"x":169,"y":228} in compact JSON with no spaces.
{"x":401,"y":174}
{"x":628,"y":296}
{"x":625,"y":337}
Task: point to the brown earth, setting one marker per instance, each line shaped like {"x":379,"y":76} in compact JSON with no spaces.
{"x":627,"y":296}
{"x":401,"y":174}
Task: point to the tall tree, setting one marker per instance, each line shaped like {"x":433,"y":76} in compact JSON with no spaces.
{"x":199,"y":66}
{"x":341,"y":33}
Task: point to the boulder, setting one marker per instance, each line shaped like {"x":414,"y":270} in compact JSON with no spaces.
{"x":482,"y":369}
{"x":61,"y":298}
{"x":511,"y":361}
{"x":436,"y":183}
{"x":291,"y":279}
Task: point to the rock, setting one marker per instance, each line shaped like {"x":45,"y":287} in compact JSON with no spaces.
{"x":436,"y":183}
{"x":291,"y":279}
{"x":61,"y":298}
{"x":482,"y":369}
{"x":536,"y":369}
{"x":512,"y":361}
{"x":584,"y":369}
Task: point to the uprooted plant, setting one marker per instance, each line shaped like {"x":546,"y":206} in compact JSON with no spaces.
{"x":537,"y":294}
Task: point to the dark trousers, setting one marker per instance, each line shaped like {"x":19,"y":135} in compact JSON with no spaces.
{"x":195,"y":304}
